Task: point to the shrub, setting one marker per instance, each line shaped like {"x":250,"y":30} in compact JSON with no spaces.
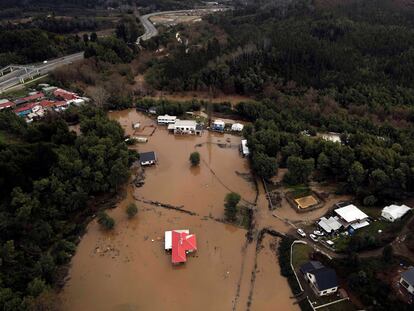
{"x":106,"y":221}
{"x":195,"y":158}
{"x":230,"y":207}
{"x":131,"y":210}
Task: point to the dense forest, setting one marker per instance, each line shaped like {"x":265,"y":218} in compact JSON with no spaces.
{"x":48,"y":175}
{"x":347,"y":69}
{"x":361,"y":53}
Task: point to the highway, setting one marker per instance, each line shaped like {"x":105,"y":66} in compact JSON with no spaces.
{"x":151,"y":31}
{"x":13,"y":75}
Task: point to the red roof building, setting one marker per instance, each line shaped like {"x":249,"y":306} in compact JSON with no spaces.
{"x":25,"y":108}
{"x":34,"y":97}
{"x":47,"y":104}
{"x":182,"y":244}
{"x":4,"y":104}
{"x":64,"y":95}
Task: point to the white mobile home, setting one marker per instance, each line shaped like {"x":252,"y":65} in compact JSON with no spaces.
{"x":166,"y":119}
{"x":394,"y":212}
{"x":244,"y":149}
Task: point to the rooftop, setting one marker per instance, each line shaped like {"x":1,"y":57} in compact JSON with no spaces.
{"x":351,"y":213}
{"x":408,"y":276}
{"x":325,"y":278}
{"x":181,"y":244}
{"x":397,"y":211}
{"x":147,"y":156}
{"x":180,"y":123}
{"x":310,"y":266}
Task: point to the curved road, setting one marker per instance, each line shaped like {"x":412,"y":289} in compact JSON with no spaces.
{"x":151,"y":31}
{"x":26,"y":72}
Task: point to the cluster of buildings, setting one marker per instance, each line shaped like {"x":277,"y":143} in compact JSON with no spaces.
{"x":180,"y":243}
{"x":191,"y":127}
{"x":351,"y":218}
{"x":37,"y":104}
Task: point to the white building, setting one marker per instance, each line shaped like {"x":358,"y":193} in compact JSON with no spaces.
{"x":218,"y":125}
{"x":244,"y":149}
{"x":323,"y":280}
{"x":352,"y":216}
{"x":329,"y":225}
{"x":237,"y":127}
{"x":394,"y":212}
{"x":186,"y":127}
{"x":166,"y":119}
{"x":407,"y":280}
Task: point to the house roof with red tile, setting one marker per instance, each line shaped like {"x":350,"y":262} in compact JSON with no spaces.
{"x":5,"y":103}
{"x":63,"y":94}
{"x":25,"y":107}
{"x":181,"y":244}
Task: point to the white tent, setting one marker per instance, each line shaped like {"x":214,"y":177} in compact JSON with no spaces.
{"x":394,"y":212}
{"x":237,"y":127}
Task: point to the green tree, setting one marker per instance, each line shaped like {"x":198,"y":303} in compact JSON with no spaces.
{"x":195,"y":158}
{"x":387,"y":253}
{"x":356,"y":176}
{"x":263,"y":165}
{"x":36,"y":287}
{"x":106,"y":221}
{"x":94,"y":37}
{"x":131,"y":210}
{"x":230,"y":205}
{"x":298,"y":170}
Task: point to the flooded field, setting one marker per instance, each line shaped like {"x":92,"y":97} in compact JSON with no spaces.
{"x":128,"y":269}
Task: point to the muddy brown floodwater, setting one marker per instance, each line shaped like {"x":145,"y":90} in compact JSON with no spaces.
{"x":127,"y":269}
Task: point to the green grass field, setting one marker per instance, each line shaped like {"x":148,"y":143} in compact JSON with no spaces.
{"x":300,"y":254}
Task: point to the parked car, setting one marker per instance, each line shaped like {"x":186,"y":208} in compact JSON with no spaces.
{"x":301,"y":232}
{"x":318,"y":233}
{"x":313,"y":237}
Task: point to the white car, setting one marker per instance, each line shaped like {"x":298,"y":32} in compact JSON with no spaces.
{"x":318,"y":233}
{"x":45,"y":62}
{"x":313,"y":237}
{"x":301,"y":232}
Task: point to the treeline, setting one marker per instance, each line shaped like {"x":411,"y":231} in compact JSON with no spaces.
{"x":48,"y":174}
{"x":280,"y":47}
{"x":33,"y":45}
{"x":373,"y":161}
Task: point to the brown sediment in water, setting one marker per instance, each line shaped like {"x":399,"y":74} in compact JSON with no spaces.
{"x":128,"y":269}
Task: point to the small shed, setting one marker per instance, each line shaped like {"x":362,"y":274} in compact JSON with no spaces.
{"x":394,"y":212}
{"x":147,"y":158}
{"x":218,"y":125}
{"x":237,"y":127}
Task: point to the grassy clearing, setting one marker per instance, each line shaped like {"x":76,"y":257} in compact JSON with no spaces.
{"x":373,"y":212}
{"x":300,"y":254}
{"x":299,"y":191}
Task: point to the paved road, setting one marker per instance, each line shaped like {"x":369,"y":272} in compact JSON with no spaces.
{"x":151,"y":31}
{"x":26,"y":72}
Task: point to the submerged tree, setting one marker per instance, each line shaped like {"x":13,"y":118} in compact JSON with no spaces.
{"x":230,"y":207}
{"x":131,"y":210}
{"x":106,"y":221}
{"x":195,"y":158}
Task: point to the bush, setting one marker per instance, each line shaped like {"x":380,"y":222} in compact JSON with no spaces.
{"x":230,"y":207}
{"x":106,"y":221}
{"x":131,"y":210}
{"x":195,"y":158}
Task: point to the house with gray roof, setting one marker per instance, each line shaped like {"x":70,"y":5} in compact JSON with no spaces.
{"x":407,"y":280}
{"x":322,"y":280}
